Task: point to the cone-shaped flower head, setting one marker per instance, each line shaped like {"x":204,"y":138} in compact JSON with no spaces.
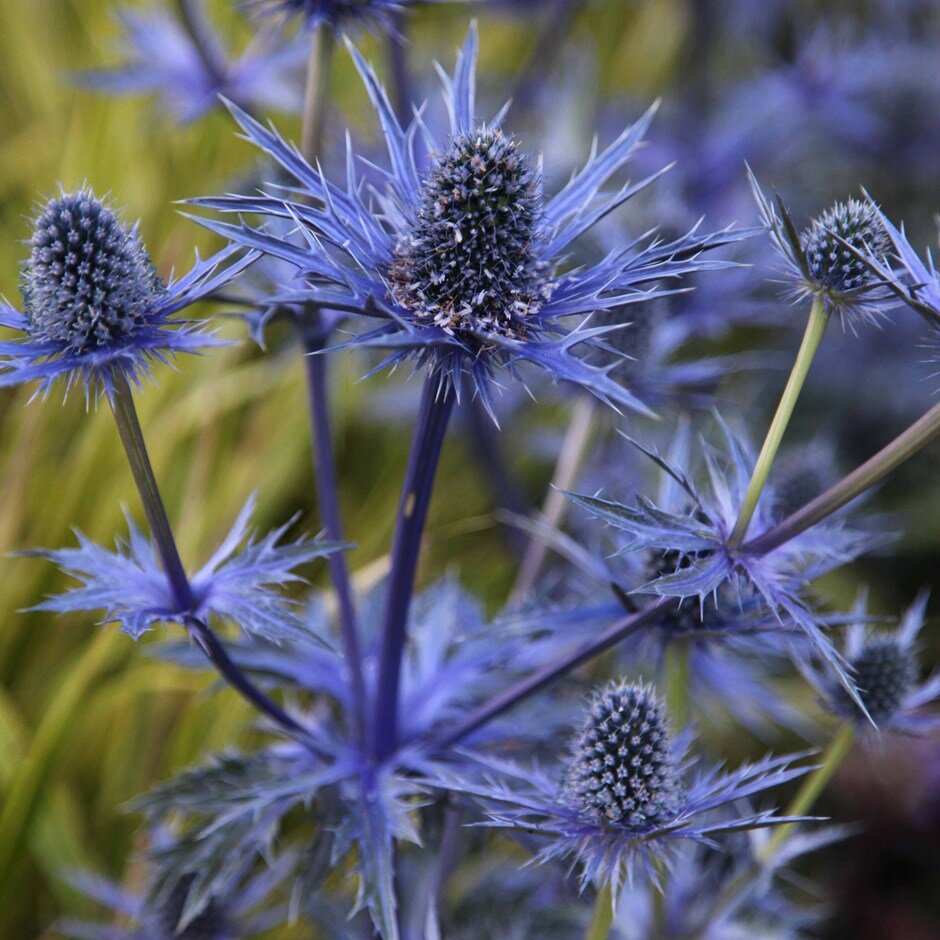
{"x":885,"y":672}
{"x":829,"y":261}
{"x":88,"y":282}
{"x":93,"y":303}
{"x":469,"y":263}
{"x":832,"y":264}
{"x":452,"y":255}
{"x":623,"y":766}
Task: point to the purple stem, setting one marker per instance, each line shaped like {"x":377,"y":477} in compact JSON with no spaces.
{"x":324,"y":464}
{"x":547,"y":674}
{"x":128,"y":424}
{"x":437,"y":402}
{"x":396,"y":42}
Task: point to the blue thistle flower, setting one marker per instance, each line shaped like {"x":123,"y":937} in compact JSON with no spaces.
{"x":885,"y":669}
{"x":622,"y":769}
{"x":93,"y":305}
{"x":626,"y":799}
{"x":824,"y":261}
{"x":456,"y":253}
{"x":696,"y":537}
{"x":187,"y":70}
{"x":236,"y":583}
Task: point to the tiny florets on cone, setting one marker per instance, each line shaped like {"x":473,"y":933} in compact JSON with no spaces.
{"x":623,"y":769}
{"x":832,"y":265}
{"x":88,"y":281}
{"x":884,"y":673}
{"x":470,"y":261}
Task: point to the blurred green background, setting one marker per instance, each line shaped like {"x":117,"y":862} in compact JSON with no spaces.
{"x":87,"y":719}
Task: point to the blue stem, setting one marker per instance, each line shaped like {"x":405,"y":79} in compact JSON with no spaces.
{"x":128,"y":424}
{"x":324,"y":466}
{"x":437,"y":403}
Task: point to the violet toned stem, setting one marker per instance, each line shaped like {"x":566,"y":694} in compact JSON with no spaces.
{"x":437,"y":403}
{"x":548,"y":674}
{"x":328,"y":502}
{"x":396,"y":43}
{"x":313,"y":339}
{"x":918,"y":435}
{"x":128,"y":424}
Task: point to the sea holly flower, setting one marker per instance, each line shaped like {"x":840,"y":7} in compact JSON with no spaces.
{"x":822,"y":263}
{"x":237,"y":584}
{"x":455,"y":253}
{"x":626,"y":801}
{"x":186,"y":66}
{"x":699,"y":558}
{"x":94,"y":307}
{"x":885,"y":668}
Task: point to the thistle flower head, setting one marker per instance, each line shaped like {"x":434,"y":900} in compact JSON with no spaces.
{"x":89,"y":282}
{"x":623,"y":769}
{"x":93,"y":304}
{"x":832,"y":264}
{"x":469,"y":262}
{"x":454,"y":259}
{"x":884,"y":674}
{"x":885,"y":670}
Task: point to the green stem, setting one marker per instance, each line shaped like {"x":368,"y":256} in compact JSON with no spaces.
{"x":889,"y":458}
{"x":316,"y":96}
{"x":603,"y":916}
{"x":811,"y":788}
{"x":678,"y":674}
{"x":815,"y":327}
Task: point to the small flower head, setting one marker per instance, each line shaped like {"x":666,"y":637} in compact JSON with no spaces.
{"x":628,"y":798}
{"x":884,"y":674}
{"x":832,"y":264}
{"x":469,"y":262}
{"x":623,"y":768}
{"x":93,"y":303}
{"x":826,"y":262}
{"x":452,"y":255}
{"x":89,"y":281}
{"x":885,"y":670}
